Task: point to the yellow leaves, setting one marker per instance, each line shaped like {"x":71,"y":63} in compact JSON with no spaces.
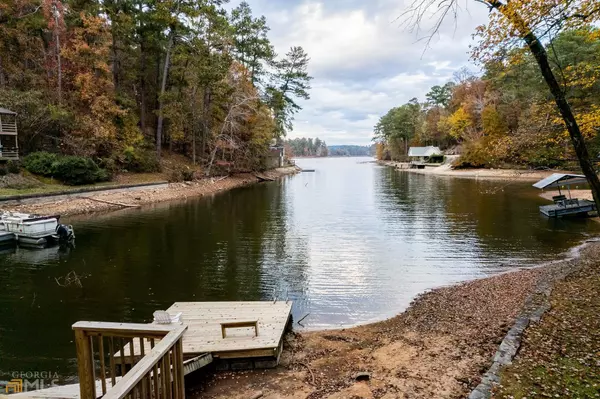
{"x":584,"y":75}
{"x":459,"y":122}
{"x":589,"y":122}
{"x":510,"y":21}
{"x":493,"y":124}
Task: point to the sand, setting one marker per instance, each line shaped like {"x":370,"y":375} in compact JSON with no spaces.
{"x":438,"y":348}
{"x":489,"y":174}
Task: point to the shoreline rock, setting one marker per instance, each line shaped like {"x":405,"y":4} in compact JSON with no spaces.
{"x":103,"y":201}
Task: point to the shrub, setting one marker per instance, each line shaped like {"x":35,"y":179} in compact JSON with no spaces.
{"x":3,"y":171}
{"x":40,"y":163}
{"x":75,"y":170}
{"x":474,"y":156}
{"x":141,"y":161}
{"x":13,"y":167}
{"x":181,"y":174}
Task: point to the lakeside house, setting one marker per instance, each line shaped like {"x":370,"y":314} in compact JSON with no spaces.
{"x":425,"y":155}
{"x":276,"y":157}
{"x":9,"y":146}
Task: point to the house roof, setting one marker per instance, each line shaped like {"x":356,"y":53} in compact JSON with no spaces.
{"x":424,"y":151}
{"x":7,"y":111}
{"x":560,"y":179}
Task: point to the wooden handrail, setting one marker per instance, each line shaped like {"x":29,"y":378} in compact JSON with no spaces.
{"x":145,"y":366}
{"x":159,"y":374}
{"x":124,"y":329}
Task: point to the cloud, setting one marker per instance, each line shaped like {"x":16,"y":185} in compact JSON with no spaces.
{"x":362,"y":61}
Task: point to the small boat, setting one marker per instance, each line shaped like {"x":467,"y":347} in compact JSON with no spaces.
{"x":34,"y":230}
{"x":564,"y":206}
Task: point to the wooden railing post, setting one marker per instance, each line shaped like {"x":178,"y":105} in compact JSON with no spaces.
{"x":85,"y":365}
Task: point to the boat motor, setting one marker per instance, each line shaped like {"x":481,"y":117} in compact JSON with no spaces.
{"x":65,"y":232}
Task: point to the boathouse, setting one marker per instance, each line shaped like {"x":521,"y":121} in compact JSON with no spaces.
{"x":425,"y":154}
{"x":9,"y":145}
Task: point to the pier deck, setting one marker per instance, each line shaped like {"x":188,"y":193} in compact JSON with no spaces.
{"x":205,"y":332}
{"x":250,"y":332}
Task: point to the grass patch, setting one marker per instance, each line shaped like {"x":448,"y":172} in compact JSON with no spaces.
{"x":560,"y":356}
{"x":29,"y":184}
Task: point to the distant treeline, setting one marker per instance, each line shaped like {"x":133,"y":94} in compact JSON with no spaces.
{"x":351,"y":150}
{"x":306,"y":147}
{"x":309,"y":147}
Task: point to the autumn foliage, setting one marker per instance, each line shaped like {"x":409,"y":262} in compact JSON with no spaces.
{"x":118,"y":81}
{"x":507,"y":116}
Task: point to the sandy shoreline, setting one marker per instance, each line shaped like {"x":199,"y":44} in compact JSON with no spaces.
{"x":106,"y":201}
{"x":488,"y":174}
{"x":440,"y":347}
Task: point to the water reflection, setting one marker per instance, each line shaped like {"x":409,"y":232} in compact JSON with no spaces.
{"x":349,"y":243}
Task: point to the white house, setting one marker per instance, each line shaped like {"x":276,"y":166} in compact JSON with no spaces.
{"x":424,"y":154}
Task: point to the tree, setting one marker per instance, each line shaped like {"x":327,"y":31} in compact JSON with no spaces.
{"x":290,"y":81}
{"x":531,"y":21}
{"x":399,"y":126}
{"x":440,"y":95}
{"x":251,"y":45}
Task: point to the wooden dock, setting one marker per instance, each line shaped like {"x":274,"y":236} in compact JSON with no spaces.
{"x":237,"y":335}
{"x":206,"y":334}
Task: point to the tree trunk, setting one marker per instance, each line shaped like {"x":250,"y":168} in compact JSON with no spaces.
{"x":194,"y":127}
{"x":143,"y":101}
{"x":116,"y":66}
{"x":163,"y":85}
{"x":541,"y":56}
{"x":206,"y":117}
{"x":58,"y":58}
{"x":587,"y":167}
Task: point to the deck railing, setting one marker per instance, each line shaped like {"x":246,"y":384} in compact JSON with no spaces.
{"x":8,"y":127}
{"x":156,"y":374}
{"x":9,"y":153}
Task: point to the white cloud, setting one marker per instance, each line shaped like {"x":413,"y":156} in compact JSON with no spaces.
{"x":362,"y":62}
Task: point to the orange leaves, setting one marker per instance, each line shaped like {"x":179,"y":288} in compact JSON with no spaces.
{"x":91,"y":92}
{"x":511,"y":20}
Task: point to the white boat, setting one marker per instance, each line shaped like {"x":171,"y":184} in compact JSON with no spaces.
{"x":34,"y":229}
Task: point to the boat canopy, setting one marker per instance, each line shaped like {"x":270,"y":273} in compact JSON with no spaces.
{"x":560,"y":179}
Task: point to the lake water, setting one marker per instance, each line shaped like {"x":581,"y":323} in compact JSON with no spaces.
{"x":350,"y":243}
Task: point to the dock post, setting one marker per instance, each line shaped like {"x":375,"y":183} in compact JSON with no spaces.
{"x":85,"y":365}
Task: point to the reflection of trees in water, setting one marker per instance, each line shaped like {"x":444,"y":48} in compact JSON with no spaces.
{"x":29,"y":297}
{"x":285,"y":254}
{"x":232,"y":246}
{"x":495,"y":220}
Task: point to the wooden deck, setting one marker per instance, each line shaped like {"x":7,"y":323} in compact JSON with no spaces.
{"x":204,"y":338}
{"x":63,"y":392}
{"x":204,"y":334}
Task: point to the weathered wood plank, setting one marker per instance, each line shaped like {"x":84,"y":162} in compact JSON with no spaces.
{"x":144,"y":366}
{"x":124,"y":329}
{"x":204,"y":334}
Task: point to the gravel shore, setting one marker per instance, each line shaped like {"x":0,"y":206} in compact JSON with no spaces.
{"x":488,"y":174}
{"x":106,"y":201}
{"x":439,"y":348}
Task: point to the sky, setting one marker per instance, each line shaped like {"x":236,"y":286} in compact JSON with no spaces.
{"x":363,"y":62}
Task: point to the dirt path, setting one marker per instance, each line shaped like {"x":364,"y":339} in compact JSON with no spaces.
{"x":105,"y":201}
